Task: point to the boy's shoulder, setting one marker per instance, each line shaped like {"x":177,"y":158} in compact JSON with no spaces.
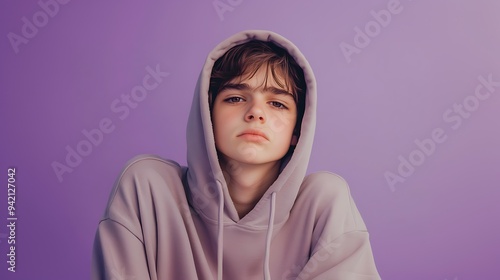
{"x":148,"y":171}
{"x":146,"y":183}
{"x":325,"y":190}
{"x":326,"y":183}
{"x":146,"y":162}
{"x":329,"y":194}
{"x":144,"y":175}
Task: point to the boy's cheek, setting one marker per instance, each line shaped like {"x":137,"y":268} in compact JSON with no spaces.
{"x":223,"y":113}
{"x":279,"y":124}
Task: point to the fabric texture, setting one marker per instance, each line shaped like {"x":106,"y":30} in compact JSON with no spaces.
{"x":166,"y":221}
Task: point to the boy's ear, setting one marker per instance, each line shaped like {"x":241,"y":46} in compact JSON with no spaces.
{"x":295,"y":139}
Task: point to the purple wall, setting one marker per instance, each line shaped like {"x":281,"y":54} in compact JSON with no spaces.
{"x":408,"y":114}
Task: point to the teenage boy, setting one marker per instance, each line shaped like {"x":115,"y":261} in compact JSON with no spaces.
{"x":243,"y":207}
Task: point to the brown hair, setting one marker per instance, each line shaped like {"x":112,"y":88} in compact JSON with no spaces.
{"x":246,"y":59}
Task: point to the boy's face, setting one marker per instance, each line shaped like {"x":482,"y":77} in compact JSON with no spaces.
{"x":254,"y":120}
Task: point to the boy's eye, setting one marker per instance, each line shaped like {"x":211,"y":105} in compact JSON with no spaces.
{"x":234,"y":99}
{"x":278,"y":105}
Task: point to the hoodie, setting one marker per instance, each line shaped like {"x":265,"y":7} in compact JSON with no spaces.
{"x":166,"y":221}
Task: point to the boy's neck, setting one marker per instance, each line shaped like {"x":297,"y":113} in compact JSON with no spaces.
{"x":247,"y":183}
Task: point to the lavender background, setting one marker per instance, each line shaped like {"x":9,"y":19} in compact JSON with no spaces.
{"x":442,"y":222}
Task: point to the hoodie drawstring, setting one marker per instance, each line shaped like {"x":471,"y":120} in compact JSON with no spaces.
{"x":220,"y":234}
{"x":270,"y":227}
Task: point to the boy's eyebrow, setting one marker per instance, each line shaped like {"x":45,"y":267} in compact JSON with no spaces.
{"x":243,"y":86}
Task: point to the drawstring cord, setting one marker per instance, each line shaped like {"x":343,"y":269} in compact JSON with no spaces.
{"x":267,"y":274}
{"x":220,"y":234}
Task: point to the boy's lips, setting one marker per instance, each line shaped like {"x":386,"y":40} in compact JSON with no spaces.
{"x":253,"y":133}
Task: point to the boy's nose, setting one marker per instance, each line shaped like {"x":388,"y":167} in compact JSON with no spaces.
{"x":255,"y":113}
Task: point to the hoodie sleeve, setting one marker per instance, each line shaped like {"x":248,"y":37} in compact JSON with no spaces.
{"x":118,"y":253}
{"x":145,"y":231}
{"x":119,"y":250}
{"x":340,"y":248}
{"x":119,"y":246}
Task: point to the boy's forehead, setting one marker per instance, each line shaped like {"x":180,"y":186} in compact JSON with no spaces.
{"x":261,"y":78}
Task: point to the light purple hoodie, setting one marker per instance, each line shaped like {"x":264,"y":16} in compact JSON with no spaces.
{"x":164,"y":221}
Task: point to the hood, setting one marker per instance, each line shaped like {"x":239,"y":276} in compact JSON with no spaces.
{"x":205,"y":179}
